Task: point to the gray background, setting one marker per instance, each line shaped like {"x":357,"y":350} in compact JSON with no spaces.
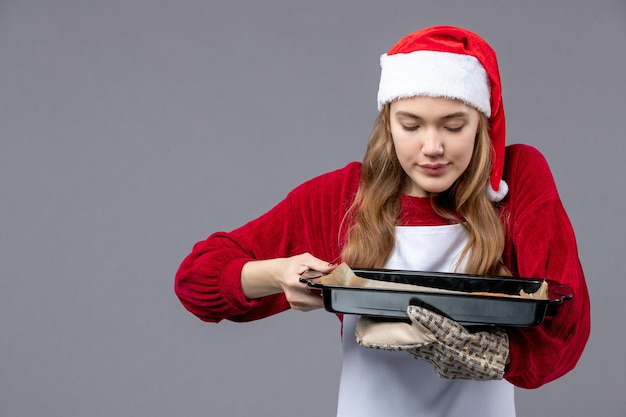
{"x":131,"y":129}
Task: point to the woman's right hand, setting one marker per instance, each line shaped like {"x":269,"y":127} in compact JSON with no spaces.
{"x":272,"y":276}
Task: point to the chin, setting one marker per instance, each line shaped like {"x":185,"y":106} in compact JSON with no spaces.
{"x":437,"y":190}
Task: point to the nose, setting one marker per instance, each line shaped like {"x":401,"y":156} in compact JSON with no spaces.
{"x":432,"y":145}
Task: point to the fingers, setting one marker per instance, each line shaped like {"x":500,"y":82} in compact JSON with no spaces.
{"x":305,"y":299}
{"x":299,"y":295}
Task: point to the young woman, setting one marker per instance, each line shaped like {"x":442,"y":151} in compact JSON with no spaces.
{"x":436,"y":191}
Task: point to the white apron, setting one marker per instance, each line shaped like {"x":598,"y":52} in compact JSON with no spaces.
{"x":378,"y":383}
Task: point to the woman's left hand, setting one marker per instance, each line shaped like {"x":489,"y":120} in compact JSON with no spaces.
{"x":454,"y":351}
{"x":458,"y":353}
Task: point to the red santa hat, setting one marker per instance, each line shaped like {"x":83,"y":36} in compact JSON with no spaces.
{"x":446,"y":61}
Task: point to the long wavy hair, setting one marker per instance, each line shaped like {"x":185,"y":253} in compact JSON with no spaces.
{"x":373,"y":216}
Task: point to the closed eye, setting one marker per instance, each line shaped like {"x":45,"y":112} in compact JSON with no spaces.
{"x":410,"y":128}
{"x":454,"y":129}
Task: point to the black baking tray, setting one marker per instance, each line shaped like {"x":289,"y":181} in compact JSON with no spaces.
{"x":465,"y":308}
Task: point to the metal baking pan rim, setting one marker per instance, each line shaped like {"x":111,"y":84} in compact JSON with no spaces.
{"x":556,"y":300}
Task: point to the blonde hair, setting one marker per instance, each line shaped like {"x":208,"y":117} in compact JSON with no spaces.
{"x":373,"y":216}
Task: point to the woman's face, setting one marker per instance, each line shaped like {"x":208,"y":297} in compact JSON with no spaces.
{"x":434,"y":141}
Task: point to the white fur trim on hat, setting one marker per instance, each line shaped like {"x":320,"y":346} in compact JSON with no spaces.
{"x":434,"y":74}
{"x":496,"y":196}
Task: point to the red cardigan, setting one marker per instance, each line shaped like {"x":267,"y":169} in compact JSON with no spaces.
{"x":540,"y":242}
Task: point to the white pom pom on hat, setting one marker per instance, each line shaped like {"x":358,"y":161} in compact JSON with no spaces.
{"x":451,"y":62}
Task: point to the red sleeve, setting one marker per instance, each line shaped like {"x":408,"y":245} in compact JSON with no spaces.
{"x":541,"y":244}
{"x":208,"y":282}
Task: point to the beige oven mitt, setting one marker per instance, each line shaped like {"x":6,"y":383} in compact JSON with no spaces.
{"x":454,"y":351}
{"x":380,"y":333}
{"x":459,"y":353}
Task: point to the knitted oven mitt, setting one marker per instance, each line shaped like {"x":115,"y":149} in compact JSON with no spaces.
{"x":454,"y":351}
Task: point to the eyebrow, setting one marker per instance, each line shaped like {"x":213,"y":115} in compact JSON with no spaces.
{"x":446,"y":117}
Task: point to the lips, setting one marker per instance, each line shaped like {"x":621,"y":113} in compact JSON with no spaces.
{"x":433,"y":169}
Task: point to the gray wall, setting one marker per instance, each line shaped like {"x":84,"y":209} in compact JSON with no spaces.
{"x":131,"y":129}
